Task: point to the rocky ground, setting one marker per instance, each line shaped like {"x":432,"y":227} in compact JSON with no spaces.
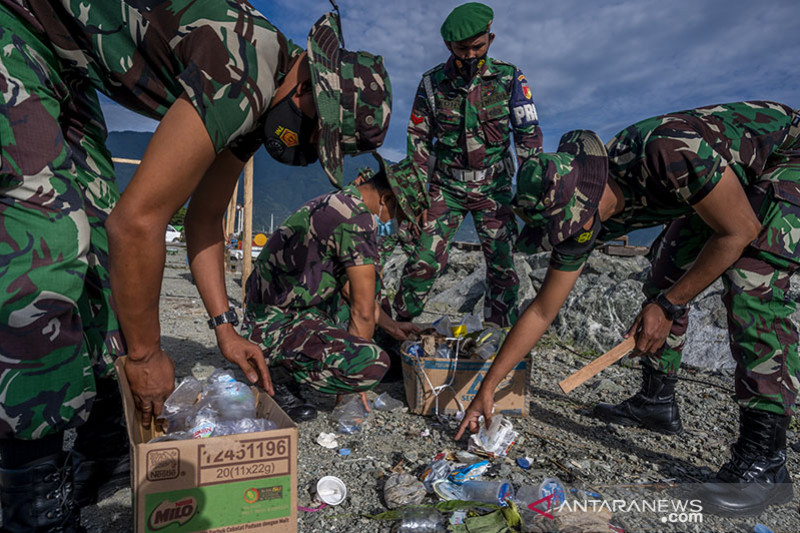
{"x":560,"y":435}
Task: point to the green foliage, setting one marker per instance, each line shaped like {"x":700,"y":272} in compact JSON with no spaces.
{"x":177,"y":218}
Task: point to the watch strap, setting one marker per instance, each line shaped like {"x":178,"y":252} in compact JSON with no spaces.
{"x":671,"y":310}
{"x":228,"y":317}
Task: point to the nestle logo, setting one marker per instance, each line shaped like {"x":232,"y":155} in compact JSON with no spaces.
{"x":163,"y":464}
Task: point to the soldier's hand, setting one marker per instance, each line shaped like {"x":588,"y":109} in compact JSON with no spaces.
{"x":400,"y":331}
{"x":650,"y":328}
{"x":151,"y":380}
{"x":246,"y":355}
{"x":481,"y":405}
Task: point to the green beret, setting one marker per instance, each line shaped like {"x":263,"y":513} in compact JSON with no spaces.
{"x":467,"y":20}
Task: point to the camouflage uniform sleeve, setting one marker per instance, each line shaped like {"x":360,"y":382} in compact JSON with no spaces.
{"x":356,"y":241}
{"x":524,"y":119}
{"x":420,"y":131}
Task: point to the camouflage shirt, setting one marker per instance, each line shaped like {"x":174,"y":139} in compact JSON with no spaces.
{"x":472,"y":120}
{"x":663,"y":186}
{"x":303,"y":263}
{"x":224,"y":55}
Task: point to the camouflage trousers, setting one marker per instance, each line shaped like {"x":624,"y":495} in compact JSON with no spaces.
{"x":310,"y":345}
{"x":497,"y":228}
{"x":763,"y":338}
{"x":57,"y":327}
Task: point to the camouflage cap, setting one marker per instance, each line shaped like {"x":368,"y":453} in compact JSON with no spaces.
{"x":410,"y":187}
{"x":352,"y":93}
{"x":467,"y":20}
{"x":558,"y":193}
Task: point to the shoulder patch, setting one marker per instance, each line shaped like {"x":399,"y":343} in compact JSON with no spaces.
{"x":523,"y":110}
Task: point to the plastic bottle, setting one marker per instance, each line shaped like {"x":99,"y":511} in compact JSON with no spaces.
{"x":488,"y":491}
{"x":421,"y":520}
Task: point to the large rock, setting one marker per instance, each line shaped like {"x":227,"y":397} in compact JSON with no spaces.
{"x":597,"y":312}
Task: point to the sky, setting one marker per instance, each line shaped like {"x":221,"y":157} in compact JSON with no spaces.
{"x":599,"y":65}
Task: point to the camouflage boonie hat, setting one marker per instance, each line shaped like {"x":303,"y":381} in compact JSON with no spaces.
{"x":466,"y":21}
{"x":352,"y":93}
{"x":410,"y":187}
{"x":558,"y":193}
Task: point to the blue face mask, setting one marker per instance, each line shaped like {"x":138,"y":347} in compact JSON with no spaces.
{"x":384,"y":228}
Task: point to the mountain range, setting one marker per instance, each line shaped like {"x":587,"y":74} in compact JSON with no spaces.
{"x":278,"y":189}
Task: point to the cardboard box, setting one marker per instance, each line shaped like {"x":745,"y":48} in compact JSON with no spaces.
{"x":244,"y":482}
{"x":512,"y":397}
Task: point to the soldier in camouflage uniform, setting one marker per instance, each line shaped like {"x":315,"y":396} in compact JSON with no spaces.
{"x":726,"y":181}
{"x":463,"y":114}
{"x":222,"y":80}
{"x":326,"y":249}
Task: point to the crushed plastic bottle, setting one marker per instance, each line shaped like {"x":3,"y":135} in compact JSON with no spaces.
{"x":496,"y":492}
{"x":245,"y":425}
{"x":421,"y":520}
{"x":438,"y":469}
{"x":232,"y":400}
{"x":202,"y":424}
{"x":489,"y":342}
{"x":443,"y":351}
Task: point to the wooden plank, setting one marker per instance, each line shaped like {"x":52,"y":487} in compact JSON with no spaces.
{"x":247,"y":233}
{"x":607,"y":359}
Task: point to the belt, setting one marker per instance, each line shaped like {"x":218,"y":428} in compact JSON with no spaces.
{"x":469,"y":175}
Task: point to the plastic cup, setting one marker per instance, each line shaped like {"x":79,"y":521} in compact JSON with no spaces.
{"x":331,"y":490}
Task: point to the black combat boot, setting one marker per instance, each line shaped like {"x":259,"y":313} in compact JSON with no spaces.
{"x":38,"y":498}
{"x":101,"y":453}
{"x":756,"y":475}
{"x":287,"y":396}
{"x":654,"y":407}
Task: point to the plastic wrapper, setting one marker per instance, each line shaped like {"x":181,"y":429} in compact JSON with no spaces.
{"x":468,"y":472}
{"x":489,"y":342}
{"x":181,"y":404}
{"x":403,"y":489}
{"x":494,"y":441}
{"x":443,"y":351}
{"x":473,"y":323}
{"x":442,"y":326}
{"x":438,"y":469}
{"x":384,"y":402}
{"x":202,"y":424}
{"x":232,"y":400}
{"x":349,"y":415}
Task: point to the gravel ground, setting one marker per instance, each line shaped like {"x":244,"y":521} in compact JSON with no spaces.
{"x":560,"y":435}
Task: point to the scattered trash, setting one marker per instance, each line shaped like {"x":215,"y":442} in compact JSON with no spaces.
{"x":458,"y":517}
{"x":447,"y":490}
{"x":468,"y":472}
{"x":421,"y":520}
{"x":327,"y":440}
{"x":403,"y":489}
{"x":761,"y":528}
{"x":425,"y":433}
{"x":384,"y":402}
{"x":494,"y":441}
{"x":344,"y":451}
{"x":551,"y":486}
{"x":349,"y":415}
{"x":438,"y":469}
{"x":524,"y":463}
{"x":489,"y":342}
{"x":330,"y":490}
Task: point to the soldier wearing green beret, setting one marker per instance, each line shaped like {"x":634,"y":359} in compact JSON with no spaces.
{"x":222,"y":81}
{"x":463,"y":114}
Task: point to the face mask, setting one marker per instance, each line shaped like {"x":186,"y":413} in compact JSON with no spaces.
{"x":384,"y":228}
{"x":469,"y":67}
{"x":287,"y":134}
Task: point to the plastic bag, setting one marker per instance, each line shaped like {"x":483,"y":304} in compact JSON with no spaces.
{"x":489,"y":342}
{"x":443,"y":351}
{"x":473,"y":322}
{"x":403,"y":489}
{"x":349,"y":415}
{"x":384,"y":402}
{"x":437,"y":469}
{"x":232,"y":400}
{"x":442,"y":326}
{"x":494,"y":441}
{"x":181,"y":404}
{"x":202,"y":424}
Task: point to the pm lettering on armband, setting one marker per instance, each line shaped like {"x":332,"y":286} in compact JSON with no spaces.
{"x":525,"y":115}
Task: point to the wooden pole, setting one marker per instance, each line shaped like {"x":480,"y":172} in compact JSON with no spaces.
{"x":607,"y":359}
{"x":247,"y":234}
{"x":230,"y":216}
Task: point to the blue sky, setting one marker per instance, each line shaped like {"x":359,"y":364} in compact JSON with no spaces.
{"x":600,"y":65}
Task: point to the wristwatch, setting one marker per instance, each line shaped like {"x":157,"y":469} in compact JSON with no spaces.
{"x":672,"y":310}
{"x":228,"y":317}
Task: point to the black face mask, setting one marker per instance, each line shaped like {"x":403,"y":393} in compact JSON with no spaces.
{"x":287,"y":134}
{"x":469,"y":67}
